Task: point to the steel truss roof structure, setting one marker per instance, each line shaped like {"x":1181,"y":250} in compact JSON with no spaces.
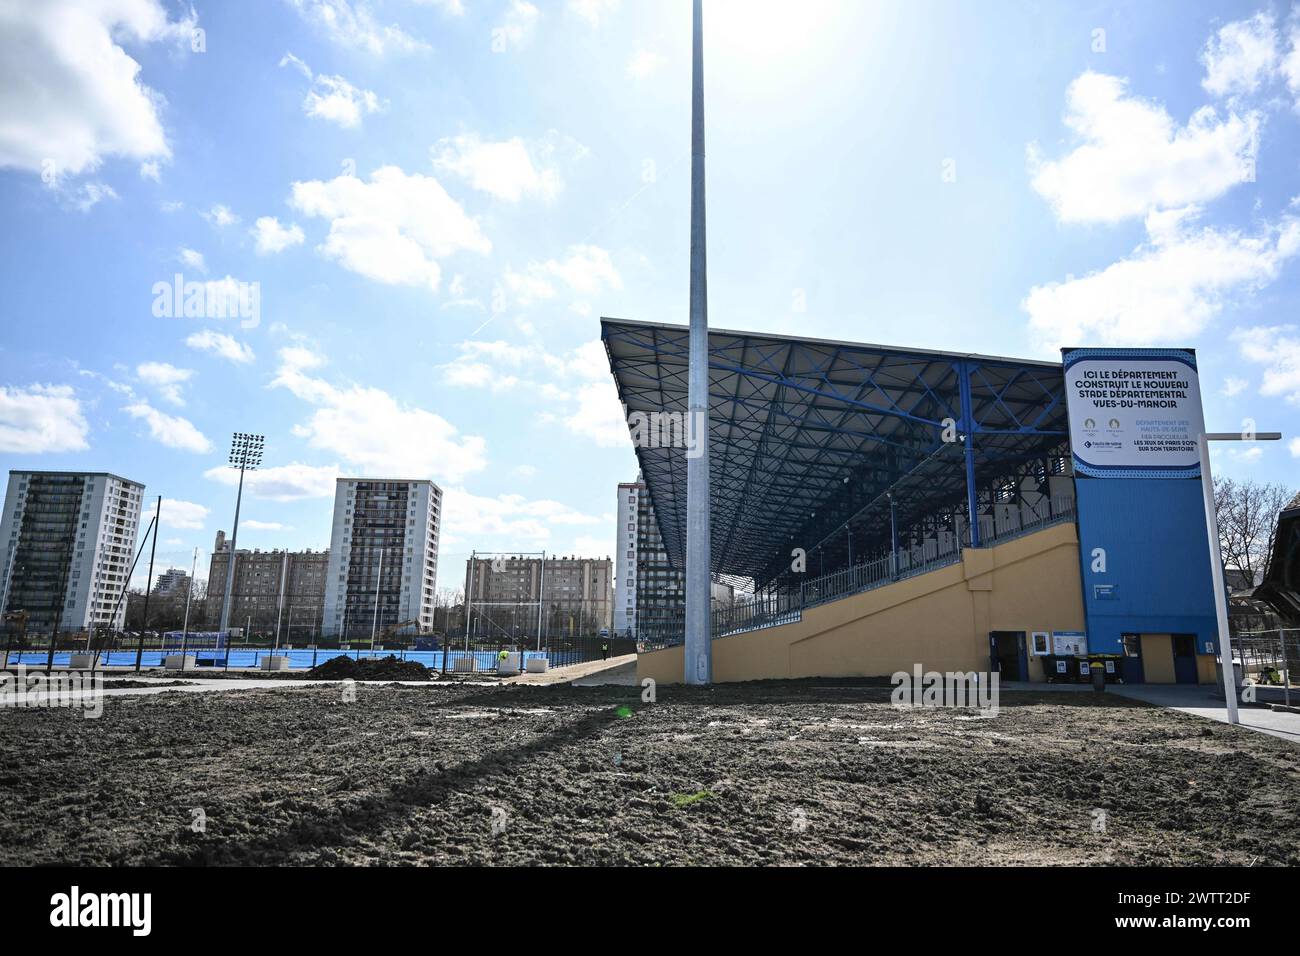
{"x":811,"y":439}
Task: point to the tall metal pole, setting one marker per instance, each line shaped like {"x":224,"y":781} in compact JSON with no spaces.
{"x":224,"y":625}
{"x":469,"y":598}
{"x":541,"y":592}
{"x":279,"y":611}
{"x":245,"y":453}
{"x":148,"y":587}
{"x":189,"y":592}
{"x":379,"y":580}
{"x":9,"y":574}
{"x":698,"y":649}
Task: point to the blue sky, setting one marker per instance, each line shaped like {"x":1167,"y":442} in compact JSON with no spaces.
{"x":436,"y":200}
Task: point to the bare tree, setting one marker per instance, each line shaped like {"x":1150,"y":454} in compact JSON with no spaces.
{"x":1247,"y":513}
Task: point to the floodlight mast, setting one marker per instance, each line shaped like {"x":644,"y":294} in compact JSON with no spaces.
{"x":246,"y":455}
{"x":698,"y":650}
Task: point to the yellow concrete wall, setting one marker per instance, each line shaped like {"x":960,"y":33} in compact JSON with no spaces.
{"x":941,"y":620}
{"x":1207,"y":671}
{"x":1158,"y":659}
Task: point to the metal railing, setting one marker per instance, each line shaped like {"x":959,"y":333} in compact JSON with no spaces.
{"x":1270,"y":657}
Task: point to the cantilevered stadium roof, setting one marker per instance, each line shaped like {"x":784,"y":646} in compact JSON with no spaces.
{"x":807,"y":436}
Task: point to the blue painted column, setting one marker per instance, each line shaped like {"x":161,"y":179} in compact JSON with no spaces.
{"x":968,"y":430}
{"x":893,"y":536}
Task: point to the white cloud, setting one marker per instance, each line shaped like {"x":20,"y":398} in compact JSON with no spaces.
{"x":515,"y":30}
{"x":510,"y":518}
{"x":151,"y":170}
{"x":452,"y":8}
{"x":183,"y":515}
{"x":372,"y":431}
{"x":167,"y":379}
{"x":502,"y":366}
{"x":1168,"y":290}
{"x":222,"y":345}
{"x":69,"y":93}
{"x":392,"y":229}
{"x":644,"y":63}
{"x":587,"y":546}
{"x":1294,"y":447}
{"x":252,"y":524}
{"x":192,"y":258}
{"x":294,"y":482}
{"x":593,"y":11}
{"x":352,"y":25}
{"x":219,"y":215}
{"x":41,"y":418}
{"x":1277,"y":348}
{"x":88,"y":195}
{"x":1290,"y":65}
{"x":1134,"y":158}
{"x":170,"y":430}
{"x":599,"y":416}
{"x":576,"y":384}
{"x":1241,"y":56}
{"x":270,"y":237}
{"x":586,"y":270}
{"x":333,"y":98}
{"x":1234,"y":386}
{"x":505,"y":169}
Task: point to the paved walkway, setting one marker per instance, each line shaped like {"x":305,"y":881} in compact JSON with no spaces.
{"x":590,"y":674}
{"x":621,"y":675}
{"x":1200,"y":701}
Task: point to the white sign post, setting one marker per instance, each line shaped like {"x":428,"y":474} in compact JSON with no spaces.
{"x":1216,"y":563}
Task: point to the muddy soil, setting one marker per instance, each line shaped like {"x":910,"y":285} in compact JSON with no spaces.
{"x":778,"y":773}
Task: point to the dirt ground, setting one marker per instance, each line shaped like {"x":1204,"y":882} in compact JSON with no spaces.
{"x":776,"y":773}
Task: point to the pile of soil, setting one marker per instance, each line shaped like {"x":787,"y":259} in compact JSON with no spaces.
{"x":384,"y":668}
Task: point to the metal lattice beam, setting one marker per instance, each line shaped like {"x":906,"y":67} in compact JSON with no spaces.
{"x":806,"y":433}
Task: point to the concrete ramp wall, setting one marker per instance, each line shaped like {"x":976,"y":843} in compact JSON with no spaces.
{"x":940,"y":620}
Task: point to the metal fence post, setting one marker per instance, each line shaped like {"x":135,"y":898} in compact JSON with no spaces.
{"x":1286,"y":668}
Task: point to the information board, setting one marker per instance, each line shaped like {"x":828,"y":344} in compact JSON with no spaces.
{"x":1134,"y":413}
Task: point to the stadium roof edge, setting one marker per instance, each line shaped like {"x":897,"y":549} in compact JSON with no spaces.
{"x":811,"y":340}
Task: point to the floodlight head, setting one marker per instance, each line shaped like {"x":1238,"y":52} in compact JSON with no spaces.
{"x":246,"y":450}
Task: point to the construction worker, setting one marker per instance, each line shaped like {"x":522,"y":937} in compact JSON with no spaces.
{"x":604,"y":650}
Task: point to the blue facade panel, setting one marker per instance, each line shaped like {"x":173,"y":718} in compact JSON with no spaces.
{"x":1157,"y":552}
